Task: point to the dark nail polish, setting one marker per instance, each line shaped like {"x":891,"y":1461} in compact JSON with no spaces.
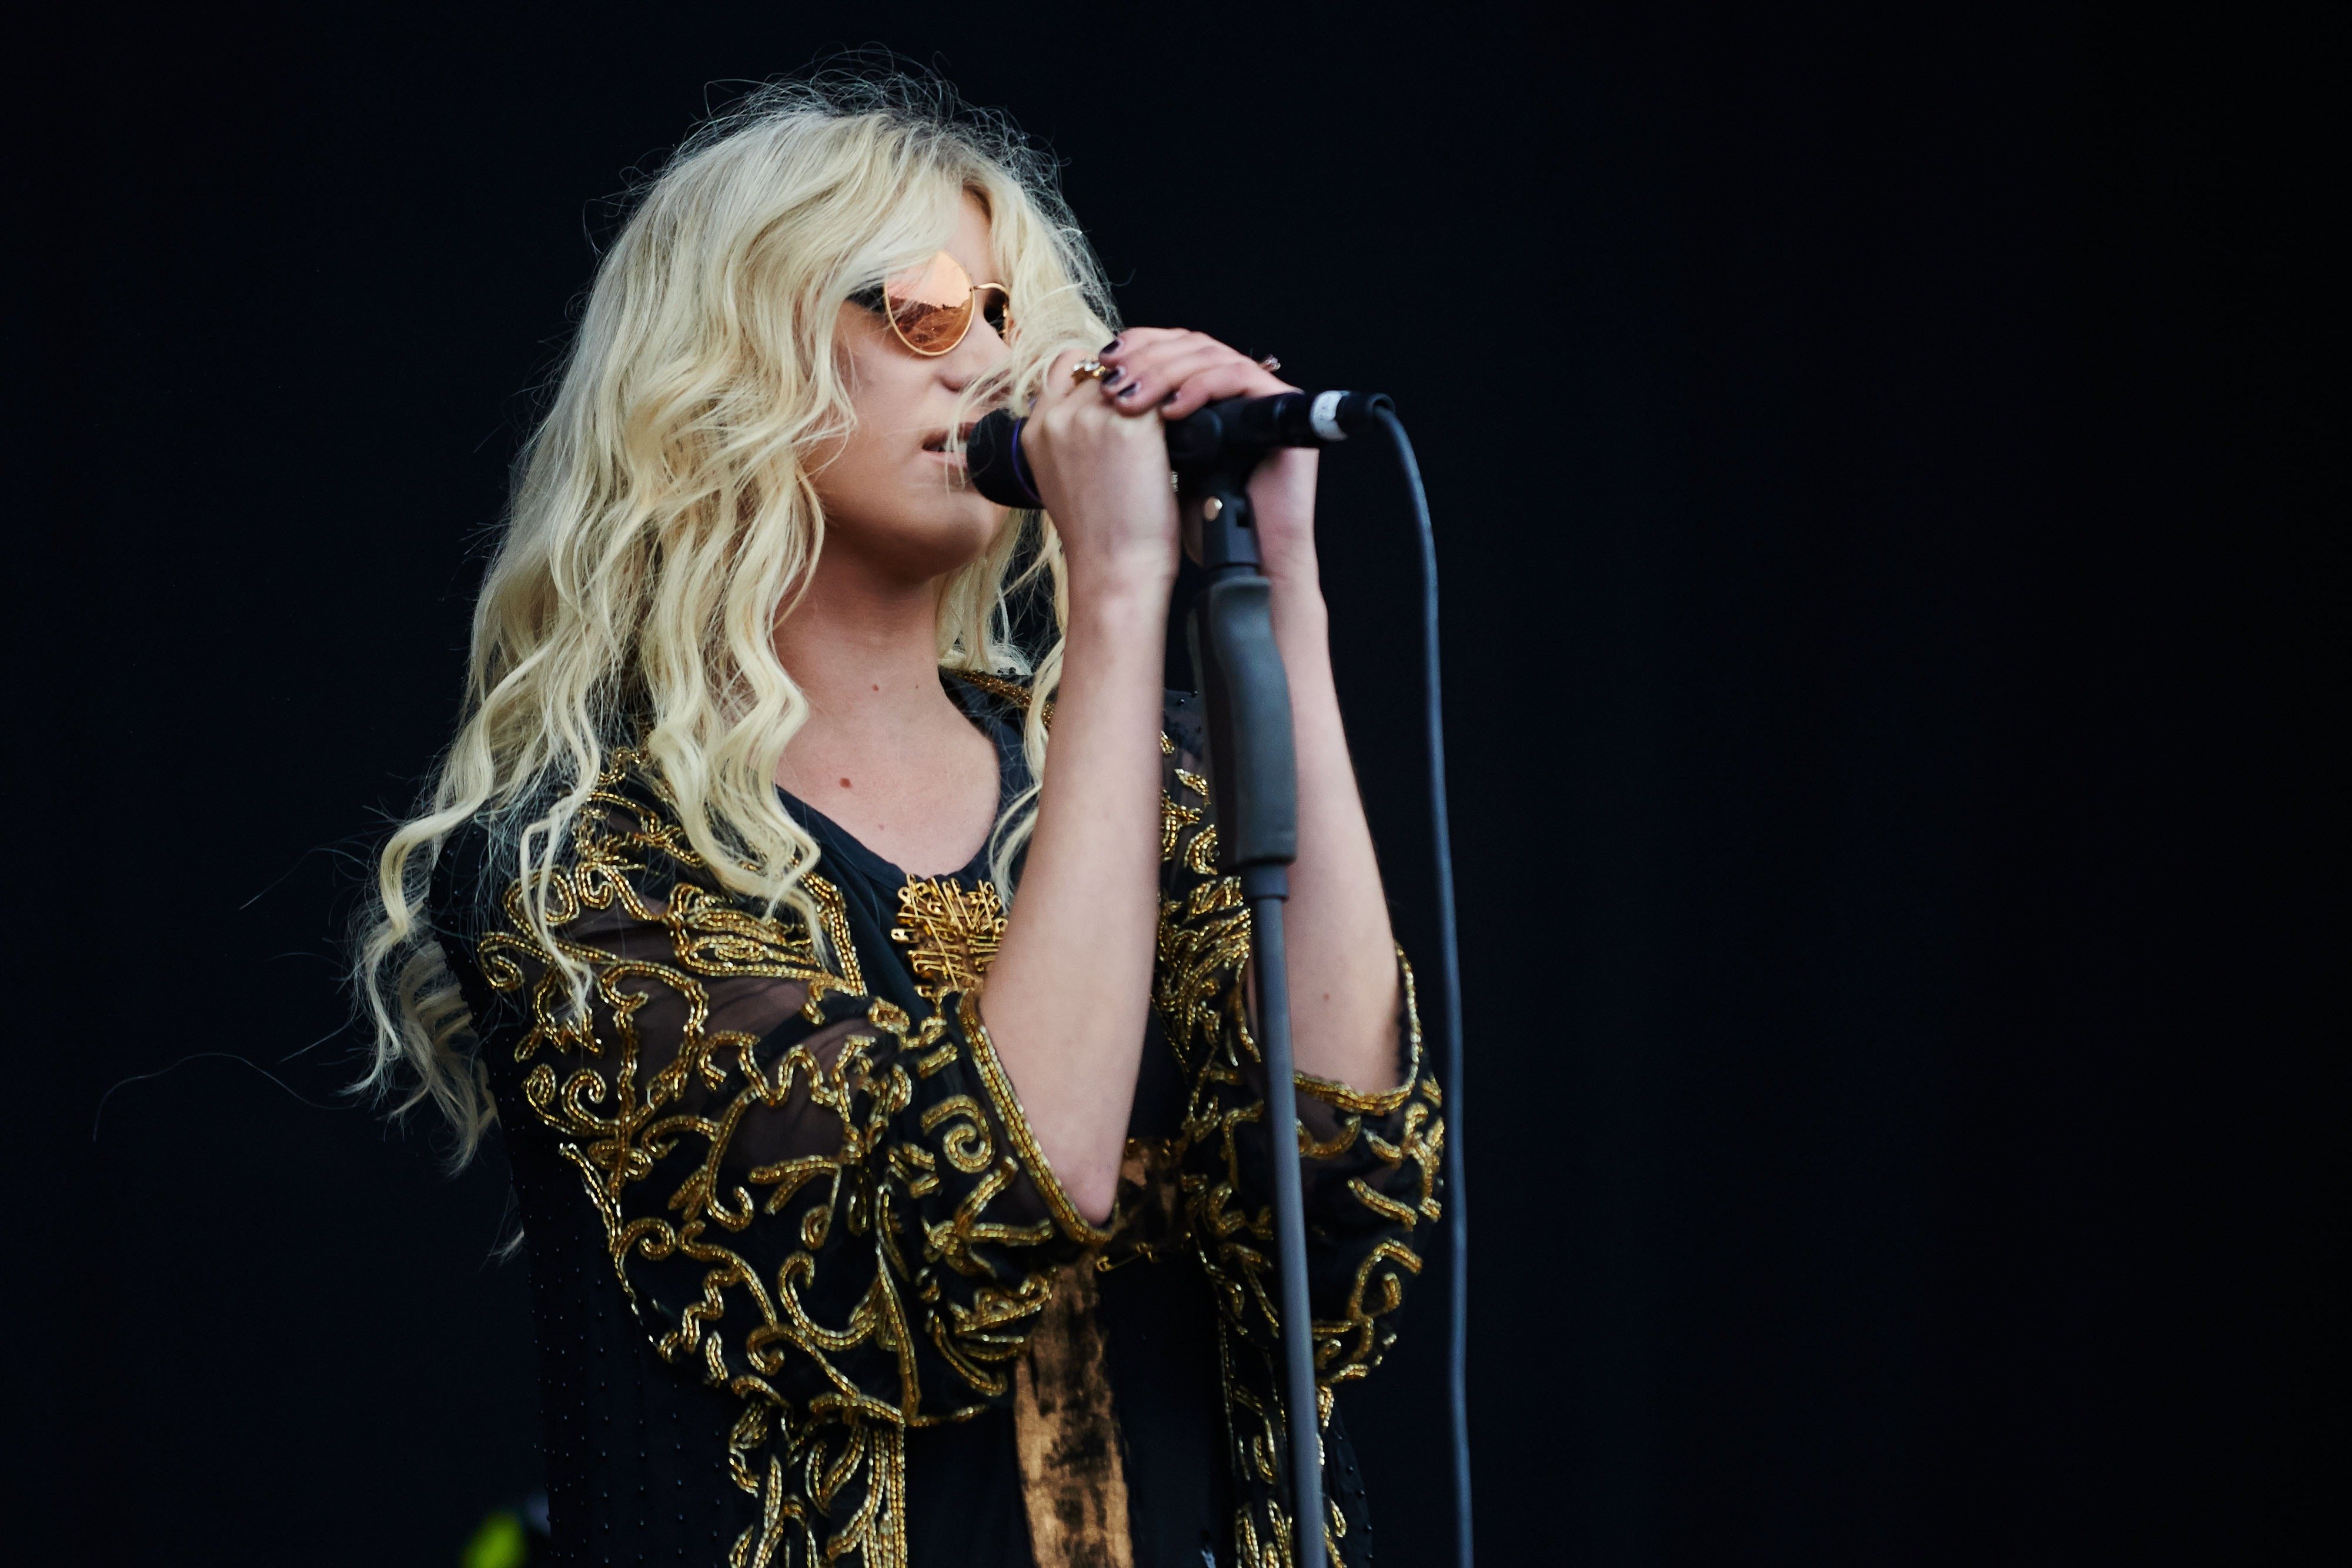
{"x":1130,"y":388}
{"x":1111,"y":382}
{"x":1109,"y":348}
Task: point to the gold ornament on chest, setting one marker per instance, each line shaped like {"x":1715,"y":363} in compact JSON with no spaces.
{"x":951,"y":933}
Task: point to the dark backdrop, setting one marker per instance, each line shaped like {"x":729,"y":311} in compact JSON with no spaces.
{"x":1876,"y":694}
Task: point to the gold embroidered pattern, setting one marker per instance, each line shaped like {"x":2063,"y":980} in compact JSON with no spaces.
{"x":1012,"y":691}
{"x":715,"y":937}
{"x":1372,"y":1162}
{"x":951,"y":934}
{"x":830,"y":1174}
{"x":1173,"y":819}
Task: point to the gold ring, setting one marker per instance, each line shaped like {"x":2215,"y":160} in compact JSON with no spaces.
{"x":1094,"y":369}
{"x":1269,"y":363}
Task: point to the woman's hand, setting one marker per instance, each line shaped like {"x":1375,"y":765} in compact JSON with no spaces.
{"x":1104,"y":479}
{"x":1173,"y":372}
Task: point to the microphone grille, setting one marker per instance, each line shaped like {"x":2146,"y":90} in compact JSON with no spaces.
{"x":992,"y":455}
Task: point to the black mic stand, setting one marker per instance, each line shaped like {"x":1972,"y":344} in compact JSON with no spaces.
{"x":1253,"y":778}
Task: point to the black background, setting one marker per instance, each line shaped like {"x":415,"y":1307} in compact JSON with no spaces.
{"x":1882,"y":657}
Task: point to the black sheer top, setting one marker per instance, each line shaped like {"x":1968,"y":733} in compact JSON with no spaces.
{"x":806,"y":1290}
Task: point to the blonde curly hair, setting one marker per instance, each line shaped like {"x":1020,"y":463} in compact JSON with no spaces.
{"x":664,"y":518}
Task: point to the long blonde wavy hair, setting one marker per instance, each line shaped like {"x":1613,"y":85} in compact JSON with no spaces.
{"x":664,"y":518}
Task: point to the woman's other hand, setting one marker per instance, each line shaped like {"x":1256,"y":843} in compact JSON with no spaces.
{"x":1344,"y":988}
{"x":1173,"y":372}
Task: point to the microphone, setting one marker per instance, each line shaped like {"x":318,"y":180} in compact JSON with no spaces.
{"x":1228,"y":431}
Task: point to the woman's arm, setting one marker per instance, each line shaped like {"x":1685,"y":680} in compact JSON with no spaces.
{"x":1343,"y":968}
{"x":1068,"y":994}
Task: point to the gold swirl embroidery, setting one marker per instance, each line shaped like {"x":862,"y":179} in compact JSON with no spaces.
{"x":951,"y":933}
{"x":967,"y":1144}
{"x":1203,"y":954}
{"x":829,"y":1480}
{"x":828,"y":1474}
{"x":1173,"y":819}
{"x":1012,"y":691}
{"x":715,"y":936}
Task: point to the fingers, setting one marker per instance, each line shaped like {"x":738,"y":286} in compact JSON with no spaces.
{"x":1174,"y":373}
{"x":1061,"y":383}
{"x":1071,"y":423}
{"x":1233,"y":378}
{"x":1165,"y":374}
{"x":1141,"y":360}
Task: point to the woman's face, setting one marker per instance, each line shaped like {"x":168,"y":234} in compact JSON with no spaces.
{"x":894,"y":498}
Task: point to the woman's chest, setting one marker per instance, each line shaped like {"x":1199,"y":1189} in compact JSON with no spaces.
{"x":925,"y":809}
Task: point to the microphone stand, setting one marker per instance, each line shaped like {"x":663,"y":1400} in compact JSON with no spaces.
{"x":1254,"y":777}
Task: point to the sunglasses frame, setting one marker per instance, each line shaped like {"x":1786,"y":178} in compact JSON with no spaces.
{"x":878,"y":299}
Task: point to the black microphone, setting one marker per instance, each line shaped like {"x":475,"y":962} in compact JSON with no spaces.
{"x":1217,"y":432}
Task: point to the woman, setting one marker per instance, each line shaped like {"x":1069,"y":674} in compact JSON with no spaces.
{"x":837,"y":1257}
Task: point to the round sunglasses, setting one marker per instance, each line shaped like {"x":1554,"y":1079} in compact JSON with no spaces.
{"x":932,"y":305}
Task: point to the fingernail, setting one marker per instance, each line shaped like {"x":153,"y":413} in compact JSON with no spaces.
{"x":1111,"y":382}
{"x":1109,"y":348}
{"x":1129,"y":390}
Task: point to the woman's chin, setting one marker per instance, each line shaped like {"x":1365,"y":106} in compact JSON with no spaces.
{"x":951,"y":537}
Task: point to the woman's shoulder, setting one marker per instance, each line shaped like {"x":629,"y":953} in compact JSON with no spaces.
{"x":629,"y":825}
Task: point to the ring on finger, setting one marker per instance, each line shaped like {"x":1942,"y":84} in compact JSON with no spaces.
{"x":1269,"y":363}
{"x":1091,"y":369}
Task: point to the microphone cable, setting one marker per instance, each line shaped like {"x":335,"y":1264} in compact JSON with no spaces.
{"x":1449,"y":968}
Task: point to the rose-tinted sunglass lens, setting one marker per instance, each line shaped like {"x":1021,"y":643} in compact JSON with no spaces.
{"x":931,"y":304}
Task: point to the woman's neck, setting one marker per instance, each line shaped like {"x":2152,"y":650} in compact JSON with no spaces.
{"x":864,"y":652}
{"x":885,"y":752}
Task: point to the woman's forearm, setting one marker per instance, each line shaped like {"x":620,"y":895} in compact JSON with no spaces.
{"x":1343,"y":973}
{"x":1069,"y":992}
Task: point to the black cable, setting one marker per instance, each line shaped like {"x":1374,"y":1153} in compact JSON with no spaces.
{"x":1449,"y":1015}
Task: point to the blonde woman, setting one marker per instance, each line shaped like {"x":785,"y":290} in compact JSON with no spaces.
{"x":863,"y":1016}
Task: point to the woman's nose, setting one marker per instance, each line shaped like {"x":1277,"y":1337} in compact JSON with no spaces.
{"x":970,"y":359}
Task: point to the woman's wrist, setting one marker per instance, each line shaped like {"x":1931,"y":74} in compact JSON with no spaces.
{"x":1120,"y":583}
{"x":1293,"y":572}
{"x":1118,"y":607}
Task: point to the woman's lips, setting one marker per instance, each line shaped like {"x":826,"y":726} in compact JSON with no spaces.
{"x":937,"y":441}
